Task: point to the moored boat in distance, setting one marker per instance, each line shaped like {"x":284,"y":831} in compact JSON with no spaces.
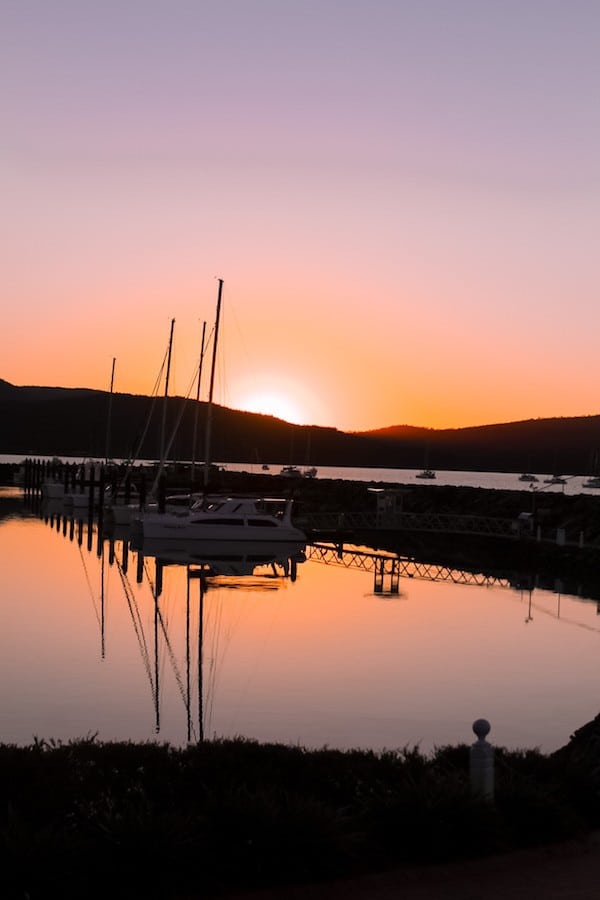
{"x":555,"y":479}
{"x":426,"y":473}
{"x":295,"y":472}
{"x":526,"y":476}
{"x":593,"y":482}
{"x":291,"y":472}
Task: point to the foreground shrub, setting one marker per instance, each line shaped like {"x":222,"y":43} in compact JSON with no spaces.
{"x":91,"y":819}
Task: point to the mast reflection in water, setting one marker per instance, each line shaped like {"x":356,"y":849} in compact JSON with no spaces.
{"x":137,"y":643}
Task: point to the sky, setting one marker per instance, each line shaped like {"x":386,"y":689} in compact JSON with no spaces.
{"x":401,"y":198}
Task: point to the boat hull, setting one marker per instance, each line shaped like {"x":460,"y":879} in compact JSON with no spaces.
{"x":173,"y":527}
{"x":234,"y":556}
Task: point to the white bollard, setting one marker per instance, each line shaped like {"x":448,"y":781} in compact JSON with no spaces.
{"x":481,"y":762}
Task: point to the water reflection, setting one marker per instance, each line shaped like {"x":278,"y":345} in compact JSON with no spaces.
{"x":102,"y":636}
{"x":253,"y":565}
{"x":233,"y":559}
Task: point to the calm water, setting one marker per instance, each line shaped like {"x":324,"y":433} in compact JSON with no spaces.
{"x":316,"y":660}
{"x":575,"y":484}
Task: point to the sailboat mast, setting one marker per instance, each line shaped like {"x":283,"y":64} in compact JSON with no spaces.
{"x":164,"y":416}
{"x":197,"y":402}
{"x":201,"y":658}
{"x":109,"y":415}
{"x":207,"y":436}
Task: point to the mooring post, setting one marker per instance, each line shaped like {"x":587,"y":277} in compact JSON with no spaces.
{"x":92,"y":487}
{"x":101,"y":496}
{"x":481,"y":762}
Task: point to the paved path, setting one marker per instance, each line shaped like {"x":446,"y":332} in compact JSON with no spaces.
{"x":568,"y":871}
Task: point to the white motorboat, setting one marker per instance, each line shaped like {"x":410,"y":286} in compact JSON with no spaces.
{"x":123,"y":513}
{"x":223,"y":519}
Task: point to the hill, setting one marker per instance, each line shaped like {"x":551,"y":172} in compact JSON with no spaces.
{"x":73,"y":422}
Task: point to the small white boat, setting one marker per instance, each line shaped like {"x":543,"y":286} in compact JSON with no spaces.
{"x":555,"y":479}
{"x":426,"y":473}
{"x":223,"y":519}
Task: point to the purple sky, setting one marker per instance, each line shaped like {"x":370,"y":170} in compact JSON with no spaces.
{"x":402,"y":198}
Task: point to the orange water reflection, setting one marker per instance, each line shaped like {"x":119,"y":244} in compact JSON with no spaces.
{"x":321,"y":660}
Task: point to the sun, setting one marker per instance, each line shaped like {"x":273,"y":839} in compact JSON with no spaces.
{"x":273,"y":403}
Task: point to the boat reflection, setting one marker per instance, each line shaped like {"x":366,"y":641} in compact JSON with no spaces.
{"x":227,"y":558}
{"x":148,"y":571}
{"x":243,"y":559}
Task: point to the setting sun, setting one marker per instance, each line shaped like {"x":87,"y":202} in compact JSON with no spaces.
{"x":273,"y":404}
{"x":277,"y":393}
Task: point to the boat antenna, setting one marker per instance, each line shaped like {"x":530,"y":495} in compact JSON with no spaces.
{"x":207,"y":435}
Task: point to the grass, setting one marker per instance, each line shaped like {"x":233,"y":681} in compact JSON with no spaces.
{"x":92,"y":819}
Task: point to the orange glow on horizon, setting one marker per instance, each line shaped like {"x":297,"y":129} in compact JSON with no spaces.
{"x":276,"y":393}
{"x":274,"y":404}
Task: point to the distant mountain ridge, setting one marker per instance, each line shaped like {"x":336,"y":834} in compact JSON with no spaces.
{"x":73,"y":422}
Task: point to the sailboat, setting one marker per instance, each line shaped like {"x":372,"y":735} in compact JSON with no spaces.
{"x":140,"y":516}
{"x":426,"y":472}
{"x":309,"y":471}
{"x":264,"y":466}
{"x":121,"y":513}
{"x":594,"y":480}
{"x":213,"y":518}
{"x":555,"y":478}
{"x":79,"y":495}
